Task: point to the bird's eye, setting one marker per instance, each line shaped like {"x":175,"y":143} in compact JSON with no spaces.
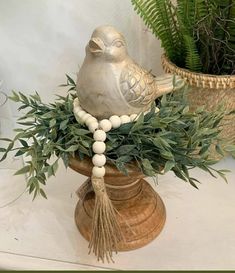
{"x":118,"y":44}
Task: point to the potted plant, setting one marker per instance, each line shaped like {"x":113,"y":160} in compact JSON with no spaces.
{"x":198,"y":38}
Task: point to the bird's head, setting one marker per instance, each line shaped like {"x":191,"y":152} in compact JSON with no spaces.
{"x":107,"y":43}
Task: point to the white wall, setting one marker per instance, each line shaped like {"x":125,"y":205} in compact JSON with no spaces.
{"x":41,"y":40}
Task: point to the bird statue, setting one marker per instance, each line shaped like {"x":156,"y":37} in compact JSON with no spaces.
{"x":110,"y":82}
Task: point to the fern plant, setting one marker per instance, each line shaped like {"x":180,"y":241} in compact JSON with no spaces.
{"x":196,"y":34}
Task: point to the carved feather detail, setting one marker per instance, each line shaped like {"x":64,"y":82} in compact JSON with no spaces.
{"x":137,"y":85}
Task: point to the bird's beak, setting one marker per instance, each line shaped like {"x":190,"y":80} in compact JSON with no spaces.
{"x":96,"y":46}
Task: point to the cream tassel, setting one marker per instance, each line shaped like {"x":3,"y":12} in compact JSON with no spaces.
{"x":106,"y":232}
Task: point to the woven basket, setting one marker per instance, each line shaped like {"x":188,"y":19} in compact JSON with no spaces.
{"x":208,"y":90}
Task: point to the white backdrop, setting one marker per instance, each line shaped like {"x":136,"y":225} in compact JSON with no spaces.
{"x":42,"y":40}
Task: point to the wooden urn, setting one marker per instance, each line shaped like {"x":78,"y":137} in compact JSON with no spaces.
{"x":141,"y":211}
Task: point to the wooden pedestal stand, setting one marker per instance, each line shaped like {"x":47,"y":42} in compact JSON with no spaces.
{"x":142,"y":212}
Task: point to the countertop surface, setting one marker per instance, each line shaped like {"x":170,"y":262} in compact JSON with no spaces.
{"x":199,"y":232}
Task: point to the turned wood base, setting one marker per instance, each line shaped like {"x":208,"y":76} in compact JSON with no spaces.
{"x":141,"y":212}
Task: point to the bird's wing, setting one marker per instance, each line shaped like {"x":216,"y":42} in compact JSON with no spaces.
{"x":137,"y":85}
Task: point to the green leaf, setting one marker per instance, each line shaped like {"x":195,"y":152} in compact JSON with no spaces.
{"x":147,"y":167}
{"x":204,"y":149}
{"x":85,"y":143}
{"x":3,"y":157}
{"x":43,"y":194}
{"x":24,"y":98}
{"x":70,"y":80}
{"x":52,"y":122}
{"x":35,"y":194}
{"x":166,"y":154}
{"x":121,"y":167}
{"x":137,"y":125}
{"x":24,"y":143}
{"x":48,"y":115}
{"x":5,"y":139}
{"x":55,"y":166}
{"x":82,"y":132}
{"x":23,"y":170}
{"x":32,"y":187}
{"x":150,"y":114}
{"x":72,"y":148}
{"x":65,"y":159}
{"x":50,"y":171}
{"x":36,"y":97}
{"x":124,"y":129}
{"x":124,"y":158}
{"x":219,"y":149}
{"x":22,"y":107}
{"x":192,"y":183}
{"x":63,"y":124}
{"x":15,"y":97}
{"x":20,"y":152}
{"x":168,"y":166}
{"x":125,"y":149}
{"x":28,"y":123}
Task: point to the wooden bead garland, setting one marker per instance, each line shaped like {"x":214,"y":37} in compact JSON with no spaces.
{"x":104,"y":224}
{"x":99,"y":130}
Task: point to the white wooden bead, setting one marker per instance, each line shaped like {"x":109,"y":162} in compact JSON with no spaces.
{"x":99,"y":160}
{"x":99,"y":135}
{"x":98,"y":171}
{"x":77,"y":118}
{"x":105,"y":125}
{"x":77,"y":110}
{"x":90,"y":120}
{"x":115,"y":121}
{"x":133,"y":117}
{"x":81,"y":114}
{"x":98,"y":147}
{"x":85,"y":117}
{"x":125,"y":119}
{"x":93,"y":126}
{"x":76,"y":102}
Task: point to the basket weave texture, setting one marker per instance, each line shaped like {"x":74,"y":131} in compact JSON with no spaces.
{"x":208,"y":90}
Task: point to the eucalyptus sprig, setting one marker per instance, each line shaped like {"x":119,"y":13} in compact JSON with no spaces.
{"x":173,"y":139}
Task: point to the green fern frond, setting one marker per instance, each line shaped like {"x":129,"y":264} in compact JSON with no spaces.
{"x":186,"y":14}
{"x":158,"y":15}
{"x":192,"y":60}
{"x":186,"y":19}
{"x":203,"y":9}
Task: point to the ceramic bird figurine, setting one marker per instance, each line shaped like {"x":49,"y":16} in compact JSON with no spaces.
{"x":111,"y":83}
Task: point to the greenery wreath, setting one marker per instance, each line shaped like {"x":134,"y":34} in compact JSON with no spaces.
{"x":173,"y":139}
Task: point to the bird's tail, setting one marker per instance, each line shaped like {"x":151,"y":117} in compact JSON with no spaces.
{"x":167,"y":83}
